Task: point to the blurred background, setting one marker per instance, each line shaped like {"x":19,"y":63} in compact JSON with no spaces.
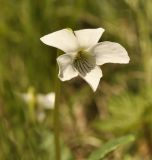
{"x":122,"y":104}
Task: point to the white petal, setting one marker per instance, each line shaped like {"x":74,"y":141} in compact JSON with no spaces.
{"x":93,"y":77}
{"x":46,"y":100}
{"x":88,"y":37}
{"x":110,"y":52}
{"x":66,"y":69}
{"x":63,"y":39}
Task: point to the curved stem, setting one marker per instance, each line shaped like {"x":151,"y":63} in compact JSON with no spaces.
{"x":56,"y":117}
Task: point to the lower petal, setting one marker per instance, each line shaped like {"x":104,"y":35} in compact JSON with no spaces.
{"x":66,"y":69}
{"x":93,"y":77}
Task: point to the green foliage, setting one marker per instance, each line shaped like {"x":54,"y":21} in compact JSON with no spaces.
{"x":109,"y":147}
{"x":126,"y":111}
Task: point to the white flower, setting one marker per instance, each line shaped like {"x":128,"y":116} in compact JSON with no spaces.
{"x":83,"y":53}
{"x":45,"y":101}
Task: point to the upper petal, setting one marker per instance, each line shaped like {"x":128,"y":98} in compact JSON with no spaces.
{"x":88,"y":37}
{"x":66,"y":69}
{"x":93,"y":77}
{"x":63,"y":39}
{"x":110,"y":52}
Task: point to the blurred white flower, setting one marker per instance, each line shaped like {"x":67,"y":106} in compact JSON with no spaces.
{"x":42,"y":100}
{"x":84,"y":53}
{"x":46,"y":100}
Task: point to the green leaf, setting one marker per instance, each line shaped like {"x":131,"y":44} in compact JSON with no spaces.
{"x":109,"y":147}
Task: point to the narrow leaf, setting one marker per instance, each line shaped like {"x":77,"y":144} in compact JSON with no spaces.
{"x":109,"y":147}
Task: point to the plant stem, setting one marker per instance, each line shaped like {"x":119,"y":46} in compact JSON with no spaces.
{"x":56,"y":116}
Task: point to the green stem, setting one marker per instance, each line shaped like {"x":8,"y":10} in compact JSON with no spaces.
{"x":56,"y":116}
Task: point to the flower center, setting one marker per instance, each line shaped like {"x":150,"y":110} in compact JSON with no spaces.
{"x":84,"y":62}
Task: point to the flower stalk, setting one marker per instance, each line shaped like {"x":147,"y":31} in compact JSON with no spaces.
{"x":56,"y":116}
